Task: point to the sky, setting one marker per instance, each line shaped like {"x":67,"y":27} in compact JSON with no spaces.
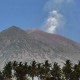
{"x":53,"y":16}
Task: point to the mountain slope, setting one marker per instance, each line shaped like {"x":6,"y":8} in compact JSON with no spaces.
{"x":20,"y":45}
{"x":62,"y":47}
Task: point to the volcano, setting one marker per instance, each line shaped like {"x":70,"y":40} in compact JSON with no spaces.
{"x":20,"y":45}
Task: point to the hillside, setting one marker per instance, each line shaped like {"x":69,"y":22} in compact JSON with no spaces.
{"x":20,"y":45}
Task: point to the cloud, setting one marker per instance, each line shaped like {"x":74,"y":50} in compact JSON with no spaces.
{"x":54,"y":21}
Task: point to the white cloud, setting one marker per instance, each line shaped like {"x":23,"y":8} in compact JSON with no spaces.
{"x":54,"y":21}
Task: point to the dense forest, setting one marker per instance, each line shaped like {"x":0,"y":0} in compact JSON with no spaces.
{"x":43,"y":71}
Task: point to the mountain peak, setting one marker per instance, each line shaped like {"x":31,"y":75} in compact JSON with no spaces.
{"x":13,"y":28}
{"x":13,"y":31}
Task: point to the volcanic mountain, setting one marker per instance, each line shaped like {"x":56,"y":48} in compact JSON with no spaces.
{"x":20,"y":45}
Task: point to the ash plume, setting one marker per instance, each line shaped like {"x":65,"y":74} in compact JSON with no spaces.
{"x":54,"y":20}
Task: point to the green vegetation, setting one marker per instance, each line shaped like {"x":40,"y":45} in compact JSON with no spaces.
{"x":43,"y":71}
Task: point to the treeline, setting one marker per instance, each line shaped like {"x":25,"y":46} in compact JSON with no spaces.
{"x":43,"y":71}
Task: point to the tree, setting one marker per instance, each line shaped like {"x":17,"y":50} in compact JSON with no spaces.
{"x":33,"y":70}
{"x":20,"y":72}
{"x":38,"y":70}
{"x":46,"y":67}
{"x":56,"y":72}
{"x":75,"y":75}
{"x":1,"y":75}
{"x":41,"y":70}
{"x":7,"y":71}
{"x":25,"y":68}
{"x":67,"y":69}
{"x":14,"y":65}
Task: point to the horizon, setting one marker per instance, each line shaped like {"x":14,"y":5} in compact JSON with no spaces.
{"x":53,"y":16}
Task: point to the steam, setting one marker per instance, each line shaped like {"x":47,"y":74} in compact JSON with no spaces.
{"x":54,"y":21}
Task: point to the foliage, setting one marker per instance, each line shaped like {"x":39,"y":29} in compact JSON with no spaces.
{"x":44,"y":71}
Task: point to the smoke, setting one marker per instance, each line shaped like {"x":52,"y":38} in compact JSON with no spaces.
{"x":55,"y":19}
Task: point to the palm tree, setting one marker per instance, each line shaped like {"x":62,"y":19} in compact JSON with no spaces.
{"x":14,"y":64}
{"x":79,"y":69}
{"x":29,"y":71}
{"x":32,"y":69}
{"x":7,"y":71}
{"x":67,"y":69}
{"x":56,"y":72}
{"x":39,"y":70}
{"x":46,"y":67}
{"x":76,"y":72}
{"x":1,"y":75}
{"x":26,"y":68}
{"x":20,"y":72}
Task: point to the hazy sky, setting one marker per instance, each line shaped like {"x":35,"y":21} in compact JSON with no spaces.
{"x":53,"y":16}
